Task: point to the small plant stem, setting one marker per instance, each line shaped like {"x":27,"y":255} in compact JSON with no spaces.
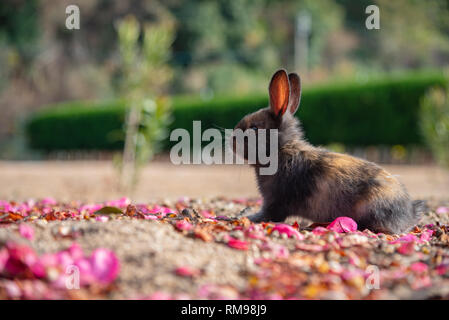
{"x":129,"y":153}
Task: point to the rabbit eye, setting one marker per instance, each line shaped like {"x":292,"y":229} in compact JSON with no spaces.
{"x":253,"y":128}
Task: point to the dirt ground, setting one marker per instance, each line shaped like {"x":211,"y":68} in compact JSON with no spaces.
{"x":96,"y":181}
{"x":209,"y":252}
{"x":219,"y":252}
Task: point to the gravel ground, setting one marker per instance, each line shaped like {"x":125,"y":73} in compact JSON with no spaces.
{"x":149,"y":253}
{"x":205,"y":249}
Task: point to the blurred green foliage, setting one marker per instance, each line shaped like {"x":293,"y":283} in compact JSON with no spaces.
{"x":230,"y":46}
{"x":385,"y":111}
{"x":435,"y":123}
{"x":222,"y":50}
{"x":19,"y":26}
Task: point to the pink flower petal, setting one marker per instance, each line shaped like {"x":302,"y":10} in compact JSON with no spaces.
{"x":320,"y":231}
{"x":85,"y":271}
{"x":91,"y":208}
{"x":426,"y":235}
{"x":158,"y":295}
{"x":186,"y":271}
{"x":183,"y":225}
{"x":49,"y":260}
{"x":442,"y":269}
{"x":75,"y":251}
{"x":240,"y":200}
{"x":442,"y":210}
{"x":421,"y":282}
{"x":101,"y":218}
{"x":212,"y":291}
{"x":207,"y":214}
{"x":181,"y":296}
{"x":20,"y":259}
{"x":311,"y":247}
{"x":407,"y":248}
{"x":354,"y":259}
{"x":350,"y":274}
{"x":407,"y":238}
{"x":12,"y":289}
{"x":255,"y":231}
{"x":343,"y":224}
{"x":26,"y":231}
{"x":105,"y":265}
{"x":23,"y":208}
{"x":237,"y":244}
{"x":4,"y":256}
{"x":419,"y":267}
{"x":183,"y":199}
{"x":121,"y":203}
{"x":159,"y":209}
{"x":48,"y":201}
{"x":38,"y":269}
{"x":288,"y":230}
{"x":64,"y":259}
{"x":167,"y":210}
{"x":279,"y":250}
{"x":5,"y":205}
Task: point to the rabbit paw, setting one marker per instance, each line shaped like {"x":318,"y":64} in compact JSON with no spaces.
{"x":257,"y":217}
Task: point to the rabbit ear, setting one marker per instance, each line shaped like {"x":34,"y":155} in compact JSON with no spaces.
{"x":295,"y":92}
{"x":279,"y":90}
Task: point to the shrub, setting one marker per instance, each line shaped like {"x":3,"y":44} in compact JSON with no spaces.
{"x":379,"y":112}
{"x":435,"y":123}
{"x":78,"y":126}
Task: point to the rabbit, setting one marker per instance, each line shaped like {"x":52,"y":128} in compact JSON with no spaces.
{"x":318,"y":184}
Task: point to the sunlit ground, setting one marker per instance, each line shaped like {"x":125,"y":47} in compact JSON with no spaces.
{"x":97,"y":181}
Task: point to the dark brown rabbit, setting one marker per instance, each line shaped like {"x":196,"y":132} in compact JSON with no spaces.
{"x":318,"y":184}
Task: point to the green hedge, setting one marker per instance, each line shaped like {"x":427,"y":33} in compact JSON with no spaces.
{"x":383,"y":111}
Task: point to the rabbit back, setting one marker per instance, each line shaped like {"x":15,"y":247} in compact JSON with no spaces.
{"x":322,"y":185}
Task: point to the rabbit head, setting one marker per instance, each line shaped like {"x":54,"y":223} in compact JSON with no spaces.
{"x":285,"y":94}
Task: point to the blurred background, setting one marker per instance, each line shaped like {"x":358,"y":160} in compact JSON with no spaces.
{"x":92,"y":106}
